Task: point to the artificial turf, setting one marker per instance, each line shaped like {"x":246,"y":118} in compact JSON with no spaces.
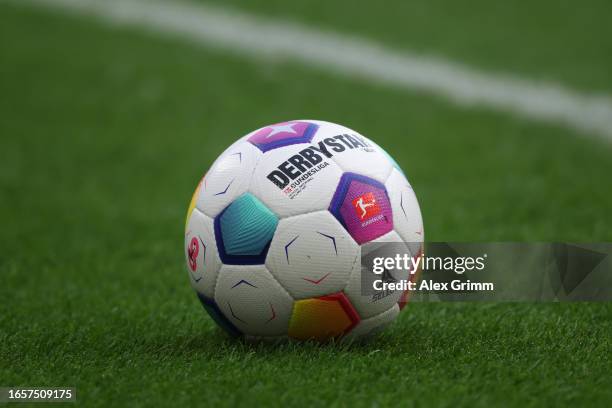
{"x":104,"y":134}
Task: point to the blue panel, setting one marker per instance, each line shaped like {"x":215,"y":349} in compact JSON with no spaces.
{"x":244,"y":231}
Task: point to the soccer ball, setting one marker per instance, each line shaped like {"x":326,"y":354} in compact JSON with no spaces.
{"x":276,"y":228}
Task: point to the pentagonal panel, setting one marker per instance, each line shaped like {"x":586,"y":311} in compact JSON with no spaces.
{"x":373,"y":325}
{"x":228,"y":178}
{"x":283,"y":134}
{"x":368,"y":301}
{"x":352,"y":151}
{"x":295,"y":179}
{"x":362,"y":206}
{"x":253,"y":301}
{"x":322,"y":318}
{"x":407,"y":221}
{"x":312,"y":255}
{"x":244,"y":231}
{"x":201,"y":253}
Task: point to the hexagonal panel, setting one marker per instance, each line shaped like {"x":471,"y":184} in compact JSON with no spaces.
{"x":407,"y":220}
{"x":215,"y":313}
{"x":312,"y":255}
{"x":283,"y":134}
{"x":367,"y":301}
{"x":228,"y":178}
{"x":362,"y":206}
{"x":322,"y":318}
{"x":201,"y":253}
{"x":244,"y":231}
{"x":253,"y":300}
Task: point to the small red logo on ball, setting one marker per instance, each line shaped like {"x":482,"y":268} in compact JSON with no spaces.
{"x":365,"y":206}
{"x":192,"y":253}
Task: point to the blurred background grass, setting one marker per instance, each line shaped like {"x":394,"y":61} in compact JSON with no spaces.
{"x":562,"y":40}
{"x":105,"y":132}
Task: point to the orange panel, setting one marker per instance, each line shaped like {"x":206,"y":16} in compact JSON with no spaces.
{"x":322,"y":318}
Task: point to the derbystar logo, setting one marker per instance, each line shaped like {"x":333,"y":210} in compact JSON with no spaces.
{"x":310,"y":160}
{"x":365,"y":206}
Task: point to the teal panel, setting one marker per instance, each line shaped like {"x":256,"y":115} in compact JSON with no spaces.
{"x":247,"y":226}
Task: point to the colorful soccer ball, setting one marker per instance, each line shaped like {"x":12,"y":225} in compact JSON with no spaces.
{"x":276,"y":227}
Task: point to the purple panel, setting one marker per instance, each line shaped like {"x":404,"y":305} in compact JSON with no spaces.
{"x":362,"y":206}
{"x":283,"y":134}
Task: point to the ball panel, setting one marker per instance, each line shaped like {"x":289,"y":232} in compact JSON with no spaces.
{"x":362,"y":206}
{"x":407,"y":221}
{"x":312,"y":255}
{"x":283,"y":134}
{"x":295,"y":180}
{"x":201,"y":254}
{"x":373,"y":325}
{"x":322,"y":318}
{"x":228,"y":178}
{"x":253,"y":301}
{"x":244,"y":231}
{"x":371,"y":302}
{"x":215,"y":313}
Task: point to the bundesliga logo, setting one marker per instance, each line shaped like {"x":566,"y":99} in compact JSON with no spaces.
{"x":365,"y":206}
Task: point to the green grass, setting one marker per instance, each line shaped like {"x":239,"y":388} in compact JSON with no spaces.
{"x":104,"y":133}
{"x":555,"y":40}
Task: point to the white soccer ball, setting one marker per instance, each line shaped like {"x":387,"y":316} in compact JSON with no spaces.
{"x":276,"y":229}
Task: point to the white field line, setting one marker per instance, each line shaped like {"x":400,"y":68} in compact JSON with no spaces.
{"x":260,"y":38}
